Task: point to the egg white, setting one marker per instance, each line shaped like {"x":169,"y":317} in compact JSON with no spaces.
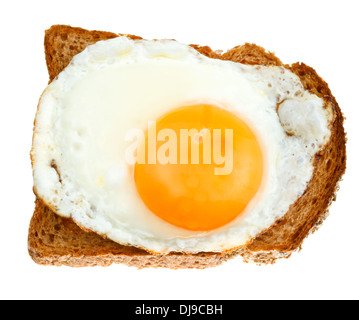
{"x":113,"y":86}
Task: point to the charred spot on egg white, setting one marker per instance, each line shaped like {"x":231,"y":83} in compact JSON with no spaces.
{"x":160,"y":147}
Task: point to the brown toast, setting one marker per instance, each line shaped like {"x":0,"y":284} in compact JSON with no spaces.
{"x":54,"y":240}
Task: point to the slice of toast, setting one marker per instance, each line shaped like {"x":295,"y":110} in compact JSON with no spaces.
{"x":54,"y":240}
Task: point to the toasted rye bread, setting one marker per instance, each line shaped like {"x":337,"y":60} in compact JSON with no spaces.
{"x":54,"y":240}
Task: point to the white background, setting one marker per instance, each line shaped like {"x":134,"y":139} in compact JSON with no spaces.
{"x":323,"y":34}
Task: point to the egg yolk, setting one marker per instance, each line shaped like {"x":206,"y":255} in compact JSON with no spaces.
{"x":211,"y":167}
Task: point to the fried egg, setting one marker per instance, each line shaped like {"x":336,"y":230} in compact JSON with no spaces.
{"x":153,"y":145}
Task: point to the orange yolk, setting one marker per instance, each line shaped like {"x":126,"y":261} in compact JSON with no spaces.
{"x":193,"y":194}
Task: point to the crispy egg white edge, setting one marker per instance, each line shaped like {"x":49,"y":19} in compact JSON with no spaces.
{"x":298,"y":110}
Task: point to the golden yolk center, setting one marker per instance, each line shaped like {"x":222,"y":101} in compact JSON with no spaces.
{"x":202,"y":170}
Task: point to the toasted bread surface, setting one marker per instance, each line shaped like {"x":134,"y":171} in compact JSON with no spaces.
{"x":59,"y":241}
{"x":54,"y":240}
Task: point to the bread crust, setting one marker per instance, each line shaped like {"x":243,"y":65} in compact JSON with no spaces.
{"x":54,"y":240}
